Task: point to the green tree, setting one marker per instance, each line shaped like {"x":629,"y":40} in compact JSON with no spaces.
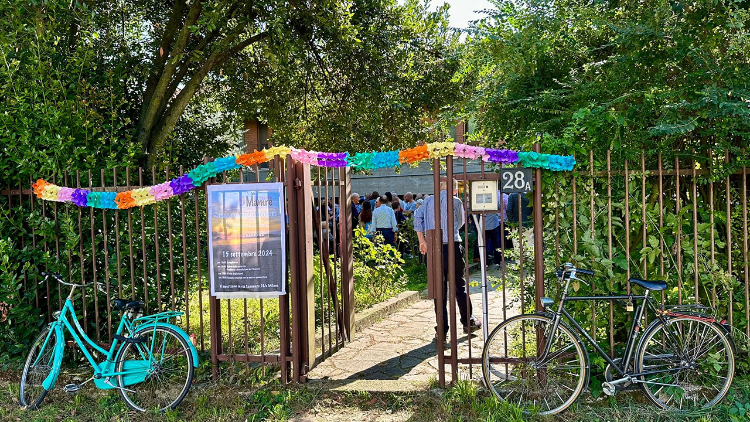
{"x":660,"y":75}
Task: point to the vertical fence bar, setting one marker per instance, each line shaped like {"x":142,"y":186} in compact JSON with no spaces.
{"x":557,"y":221}
{"x":451,"y":265}
{"x":644,"y":222}
{"x":609,"y":247}
{"x":57,"y":247}
{"x":713,"y":227}
{"x":117,"y":238}
{"x":279,"y":177}
{"x":185,"y":263}
{"x":33,"y":245}
{"x":130,"y":238}
{"x":244,"y":307}
{"x":643,"y":212}
{"x":171,"y":248}
{"x":678,"y":237}
{"x":347,"y":261}
{"x":230,"y":340}
{"x":80,"y":251}
{"x":729,"y":239}
{"x":465,"y":204}
{"x":156,"y":243}
{"x":661,"y":223}
{"x":695,"y":230}
{"x":215,"y":368}
{"x":93,"y":266}
{"x":438,"y":273}
{"x":592,"y":218}
{"x":627,"y":225}
{"x":23,"y":246}
{"x":106,"y":264}
{"x":744,"y":244}
{"x":285,"y":351}
{"x":70,"y":252}
{"x":539,"y":237}
{"x":320,"y":216}
{"x":327,"y":294}
{"x":574,"y":182}
{"x":143,"y":246}
{"x":214,"y":304}
{"x":333,"y":295}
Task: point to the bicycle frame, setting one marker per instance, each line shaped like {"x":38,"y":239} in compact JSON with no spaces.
{"x":102,"y":372}
{"x":627,"y":355}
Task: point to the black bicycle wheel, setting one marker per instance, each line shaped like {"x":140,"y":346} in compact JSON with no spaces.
{"x":170,"y":374}
{"x":692,"y":364}
{"x":37,"y":368}
{"x":515,"y":372}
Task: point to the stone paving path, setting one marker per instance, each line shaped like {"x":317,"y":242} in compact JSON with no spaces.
{"x":402,"y":346}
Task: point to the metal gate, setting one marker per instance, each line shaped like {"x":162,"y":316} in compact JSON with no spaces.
{"x":469,"y":356}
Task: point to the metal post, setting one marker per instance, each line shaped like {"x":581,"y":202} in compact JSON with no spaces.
{"x":538,"y":235}
{"x":452,"y":267}
{"x":437,"y":265}
{"x":479,"y":222}
{"x":347,"y":261}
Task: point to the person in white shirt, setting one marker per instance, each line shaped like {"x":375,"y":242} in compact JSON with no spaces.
{"x":384,"y":220}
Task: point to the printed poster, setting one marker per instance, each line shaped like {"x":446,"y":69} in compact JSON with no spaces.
{"x":246,"y":225}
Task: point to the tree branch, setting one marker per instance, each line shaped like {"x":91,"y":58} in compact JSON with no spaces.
{"x":150,"y":108}
{"x":167,"y":123}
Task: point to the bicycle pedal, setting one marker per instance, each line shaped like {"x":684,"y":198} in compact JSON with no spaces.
{"x":71,"y":388}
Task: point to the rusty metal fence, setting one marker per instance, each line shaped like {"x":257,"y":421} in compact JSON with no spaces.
{"x":159,"y":254}
{"x":683,"y":220}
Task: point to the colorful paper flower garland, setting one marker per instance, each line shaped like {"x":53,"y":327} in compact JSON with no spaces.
{"x":361,"y":161}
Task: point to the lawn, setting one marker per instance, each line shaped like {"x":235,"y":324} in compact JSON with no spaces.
{"x":237,"y":399}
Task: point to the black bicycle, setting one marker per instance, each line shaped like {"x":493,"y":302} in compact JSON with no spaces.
{"x":683,"y":361}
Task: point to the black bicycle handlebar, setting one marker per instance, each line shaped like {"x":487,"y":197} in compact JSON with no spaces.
{"x":578,"y":271}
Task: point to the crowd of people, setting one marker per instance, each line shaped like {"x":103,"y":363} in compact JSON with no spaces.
{"x":387,"y":214}
{"x":384,"y":214}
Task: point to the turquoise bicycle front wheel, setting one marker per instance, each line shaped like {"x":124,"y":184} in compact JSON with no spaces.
{"x":39,"y":365}
{"x":158,"y":369}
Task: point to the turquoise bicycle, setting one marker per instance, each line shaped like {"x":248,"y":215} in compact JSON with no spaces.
{"x":150,"y":361}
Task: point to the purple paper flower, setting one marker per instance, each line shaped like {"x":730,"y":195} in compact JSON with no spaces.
{"x":79,"y":197}
{"x":181,"y":184}
{"x":504,"y":156}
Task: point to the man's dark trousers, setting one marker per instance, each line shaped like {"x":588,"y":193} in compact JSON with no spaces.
{"x":388,"y":236}
{"x":460,"y":283}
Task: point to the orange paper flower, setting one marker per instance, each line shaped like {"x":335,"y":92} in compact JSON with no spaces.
{"x":39,"y":187}
{"x":256,"y":157}
{"x":125,"y":200}
{"x":413,"y":155}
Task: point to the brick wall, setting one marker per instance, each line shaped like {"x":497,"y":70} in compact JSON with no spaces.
{"x":461,"y":132}
{"x":252,"y":142}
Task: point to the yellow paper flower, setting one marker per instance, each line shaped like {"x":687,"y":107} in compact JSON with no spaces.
{"x":50,"y":192}
{"x":281,"y":151}
{"x":142,"y":196}
{"x":440,"y":149}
